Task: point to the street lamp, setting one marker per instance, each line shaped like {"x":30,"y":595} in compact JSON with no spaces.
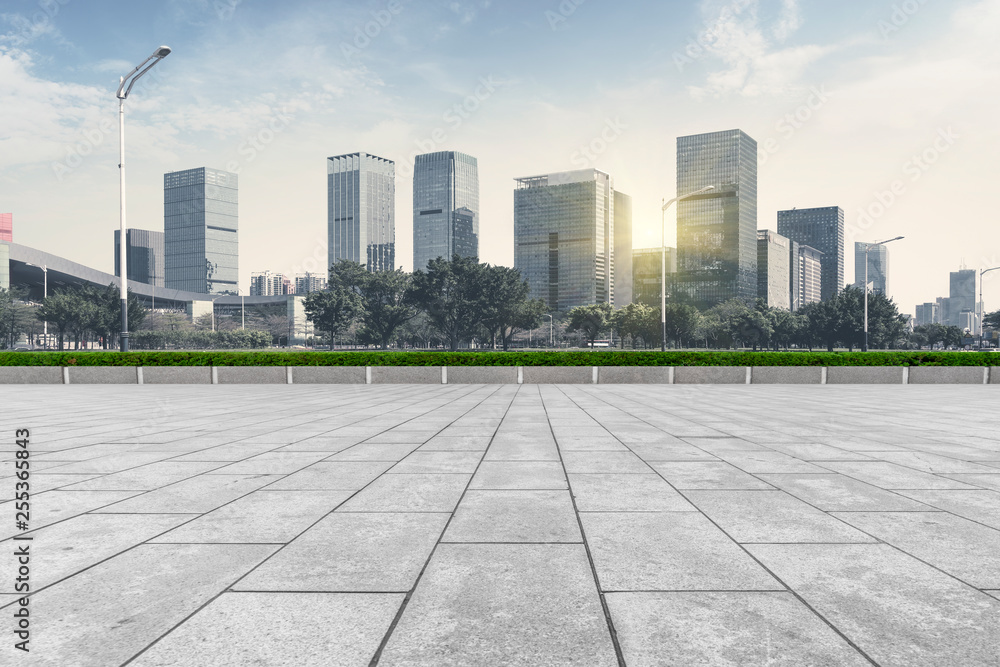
{"x":123,"y":92}
{"x":243,"y":307}
{"x":663,"y":262}
{"x":552,"y":338}
{"x":45,"y":294}
{"x":869,"y":246}
{"x":980,"y":304}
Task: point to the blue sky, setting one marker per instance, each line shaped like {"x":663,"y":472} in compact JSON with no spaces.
{"x":272,"y":89}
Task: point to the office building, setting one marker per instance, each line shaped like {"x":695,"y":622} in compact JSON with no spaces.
{"x":200,"y":231}
{"x":265,"y":283}
{"x":928,"y":313}
{"x":774,"y":265}
{"x":878,"y":267}
{"x":361,"y":210}
{"x":4,"y":265}
{"x":144,"y":252}
{"x":806,"y":274}
{"x":309,"y":282}
{"x":564,"y":237}
{"x":717,"y":230}
{"x":823,"y":230}
{"x":647,"y":274}
{"x":623,"y":287}
{"x":7,"y":227}
{"x":962,"y":297}
{"x":445,"y":207}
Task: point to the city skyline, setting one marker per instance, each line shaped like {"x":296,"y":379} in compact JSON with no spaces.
{"x":836,"y":100}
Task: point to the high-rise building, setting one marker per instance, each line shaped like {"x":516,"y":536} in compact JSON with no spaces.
{"x":200,"y":230}
{"x":7,"y":227}
{"x":878,"y":267}
{"x":774,"y":265}
{"x":928,"y":313}
{"x":962,"y":297}
{"x":717,"y":230}
{"x":361,"y":210}
{"x":144,"y":250}
{"x":822,"y":229}
{"x":647,"y":274}
{"x":564,"y":237}
{"x":806,"y":274}
{"x":445,"y":202}
{"x":309,"y":282}
{"x":265,"y":283}
{"x":623,"y":288}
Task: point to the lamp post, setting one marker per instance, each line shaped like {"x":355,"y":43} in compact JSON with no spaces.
{"x":869,"y":246}
{"x":552,"y":338}
{"x":45,"y":294}
{"x":243,"y":308}
{"x":122,"y":94}
{"x":980,"y":304}
{"x":663,"y":262}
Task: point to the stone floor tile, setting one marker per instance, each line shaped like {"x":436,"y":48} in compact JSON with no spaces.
{"x":892,"y":477}
{"x":195,"y":495}
{"x":611,"y":492}
{"x":443,"y":443}
{"x":53,"y":506}
{"x":409,"y":493}
{"x":764,"y":462}
{"x":438,"y":462}
{"x":523,"y":604}
{"x":932,"y":462}
{"x":375,"y":452}
{"x":988,"y":481}
{"x":514,"y":516}
{"x":519,"y":475}
{"x":707,"y":475}
{"x":978,"y":505}
{"x":147,"y":477}
{"x":834,"y":492}
{"x":330,"y":475}
{"x":604,"y":462}
{"x":272,"y":463}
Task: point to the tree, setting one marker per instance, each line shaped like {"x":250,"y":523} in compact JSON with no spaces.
{"x":992,"y":320}
{"x":682,"y":322}
{"x":590,"y":320}
{"x":332,"y":310}
{"x":384,"y":298}
{"x":14,"y":316}
{"x":630,"y":322}
{"x":823,"y":323}
{"x":62,"y":308}
{"x":451,"y":293}
{"x":506,"y":307}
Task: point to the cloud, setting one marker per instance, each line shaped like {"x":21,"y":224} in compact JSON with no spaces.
{"x":25,"y":30}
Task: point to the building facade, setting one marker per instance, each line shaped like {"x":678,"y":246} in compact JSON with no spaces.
{"x":807,"y":275}
{"x":564,"y":237}
{"x":145,"y":256}
{"x":623,"y":287}
{"x":717,"y":230}
{"x":774,"y":269}
{"x":309,"y":282}
{"x":647,"y":274}
{"x":878,"y":267}
{"x":445,"y":207}
{"x":7,"y":227}
{"x":823,"y":230}
{"x":961,"y":298}
{"x":928,"y":313}
{"x":200,"y":229}
{"x":265,"y":283}
{"x":361,"y":210}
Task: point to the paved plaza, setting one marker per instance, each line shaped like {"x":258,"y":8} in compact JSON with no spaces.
{"x":529,"y":525}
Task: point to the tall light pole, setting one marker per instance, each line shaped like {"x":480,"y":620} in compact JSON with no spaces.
{"x":45,"y":295}
{"x":552,"y":338}
{"x":243,"y":307}
{"x":869,"y":246}
{"x":663,"y":261}
{"x":123,"y":92}
{"x":980,"y":304}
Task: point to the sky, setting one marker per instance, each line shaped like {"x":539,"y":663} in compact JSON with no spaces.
{"x":886,"y":108}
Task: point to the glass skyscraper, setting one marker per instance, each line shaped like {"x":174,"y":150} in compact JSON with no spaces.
{"x":623,"y":288}
{"x":445,"y":207}
{"x":564,"y":237}
{"x":806,"y":274}
{"x":774,"y":269}
{"x":145,"y":256}
{"x":200,"y":237}
{"x":878,"y":267}
{"x":361,"y":210}
{"x":717,"y":230}
{"x":822,"y":229}
{"x":647,"y":274}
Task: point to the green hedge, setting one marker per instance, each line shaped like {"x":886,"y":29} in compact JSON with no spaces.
{"x":565,"y":358}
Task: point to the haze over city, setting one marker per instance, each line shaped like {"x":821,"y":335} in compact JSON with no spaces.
{"x":884,"y":108}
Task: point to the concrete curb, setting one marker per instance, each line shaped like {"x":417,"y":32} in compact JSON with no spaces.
{"x":13,"y":375}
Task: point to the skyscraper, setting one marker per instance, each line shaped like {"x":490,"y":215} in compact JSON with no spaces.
{"x":807,"y":275}
{"x":822,"y":229}
{"x":309,"y":282}
{"x":878,"y":267}
{"x":361,"y":210}
{"x":928,"y":313}
{"x":774,"y":264}
{"x":445,"y":202}
{"x":201,"y":240}
{"x":7,"y":227}
{"x":623,"y":287}
{"x":647,"y":274}
{"x":145,"y":256}
{"x":717,"y":230}
{"x":265,"y":283}
{"x":962,"y":297}
{"x":564,"y":237}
